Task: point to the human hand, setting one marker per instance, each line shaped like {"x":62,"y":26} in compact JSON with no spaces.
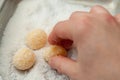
{"x":96,"y":36}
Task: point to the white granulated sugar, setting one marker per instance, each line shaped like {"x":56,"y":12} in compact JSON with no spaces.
{"x":0,"y":78}
{"x":32,"y":14}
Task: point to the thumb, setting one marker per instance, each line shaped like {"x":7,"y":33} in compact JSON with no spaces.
{"x":64,"y":65}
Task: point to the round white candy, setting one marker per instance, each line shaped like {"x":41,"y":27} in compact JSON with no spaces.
{"x":24,"y":59}
{"x":36,"y":39}
{"x":54,"y":50}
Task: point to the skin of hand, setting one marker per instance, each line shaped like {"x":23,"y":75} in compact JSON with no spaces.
{"x":96,"y":37}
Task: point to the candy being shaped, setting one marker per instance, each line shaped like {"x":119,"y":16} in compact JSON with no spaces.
{"x":24,"y":59}
{"x":54,"y":50}
{"x":36,"y":39}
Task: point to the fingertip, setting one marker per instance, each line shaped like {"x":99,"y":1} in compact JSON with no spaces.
{"x":65,"y":43}
{"x":53,"y":61}
{"x":51,"y":39}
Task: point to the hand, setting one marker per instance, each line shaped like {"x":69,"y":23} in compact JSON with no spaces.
{"x":96,"y":36}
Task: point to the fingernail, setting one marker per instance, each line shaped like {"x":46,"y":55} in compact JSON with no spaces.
{"x":51,"y":61}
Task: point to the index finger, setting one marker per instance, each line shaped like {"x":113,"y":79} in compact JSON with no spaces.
{"x":62,"y":34}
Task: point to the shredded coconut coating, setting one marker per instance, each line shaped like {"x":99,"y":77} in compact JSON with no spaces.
{"x":54,"y":50}
{"x":36,"y":39}
{"x":24,"y":59}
